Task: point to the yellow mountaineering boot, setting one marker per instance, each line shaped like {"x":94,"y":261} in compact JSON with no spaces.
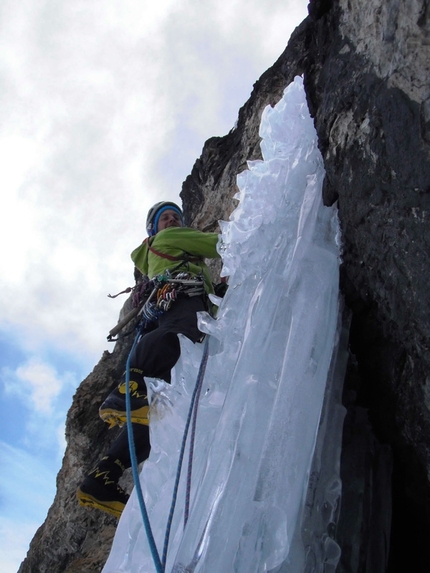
{"x":113,"y":409}
{"x":100,"y":490}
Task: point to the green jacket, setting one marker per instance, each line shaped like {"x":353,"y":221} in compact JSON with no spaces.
{"x":177,"y":242}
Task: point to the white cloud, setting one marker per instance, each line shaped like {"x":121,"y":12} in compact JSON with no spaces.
{"x":36,"y":381}
{"x":106,"y":107}
{"x":43,"y":381}
{"x":36,"y":395}
{"x":37,"y":384}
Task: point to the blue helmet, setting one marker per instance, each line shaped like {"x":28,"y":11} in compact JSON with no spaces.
{"x":155,"y":212}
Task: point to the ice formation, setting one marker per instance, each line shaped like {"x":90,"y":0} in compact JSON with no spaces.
{"x":270,"y":351}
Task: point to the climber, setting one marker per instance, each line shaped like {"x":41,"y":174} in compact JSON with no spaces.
{"x":171,"y":251}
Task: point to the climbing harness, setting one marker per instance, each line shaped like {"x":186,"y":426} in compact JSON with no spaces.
{"x":164,"y":290}
{"x":167,"y":288}
{"x":160,"y":565}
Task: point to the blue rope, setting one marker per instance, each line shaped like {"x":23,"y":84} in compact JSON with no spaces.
{"x":154,"y":551}
{"x":160,"y":566}
{"x":198,"y":389}
{"x":184,"y":439}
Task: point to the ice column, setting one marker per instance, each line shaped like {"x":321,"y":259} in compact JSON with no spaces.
{"x":271,"y":347}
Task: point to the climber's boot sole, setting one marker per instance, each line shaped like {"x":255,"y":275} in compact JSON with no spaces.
{"x":115,"y":417}
{"x":110,"y":498}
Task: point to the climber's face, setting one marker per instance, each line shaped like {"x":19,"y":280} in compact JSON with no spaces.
{"x":169,"y":218}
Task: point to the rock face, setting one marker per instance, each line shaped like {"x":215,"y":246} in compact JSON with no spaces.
{"x":369,"y":92}
{"x":366,"y":70}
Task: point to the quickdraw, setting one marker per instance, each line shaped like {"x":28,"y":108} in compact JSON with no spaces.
{"x":160,"y":293}
{"x":167,"y":288}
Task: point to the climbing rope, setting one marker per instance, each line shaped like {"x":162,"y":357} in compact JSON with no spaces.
{"x":134,"y":464}
{"x":160,"y":565}
{"x":152,"y":298}
{"x":196,"y":391}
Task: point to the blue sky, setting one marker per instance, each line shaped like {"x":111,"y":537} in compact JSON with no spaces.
{"x":104,"y":107}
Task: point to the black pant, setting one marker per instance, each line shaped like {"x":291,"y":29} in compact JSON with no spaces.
{"x":155,"y":355}
{"x":157,"y":352}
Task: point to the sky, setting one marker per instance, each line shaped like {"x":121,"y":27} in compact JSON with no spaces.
{"x":104,"y":107}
